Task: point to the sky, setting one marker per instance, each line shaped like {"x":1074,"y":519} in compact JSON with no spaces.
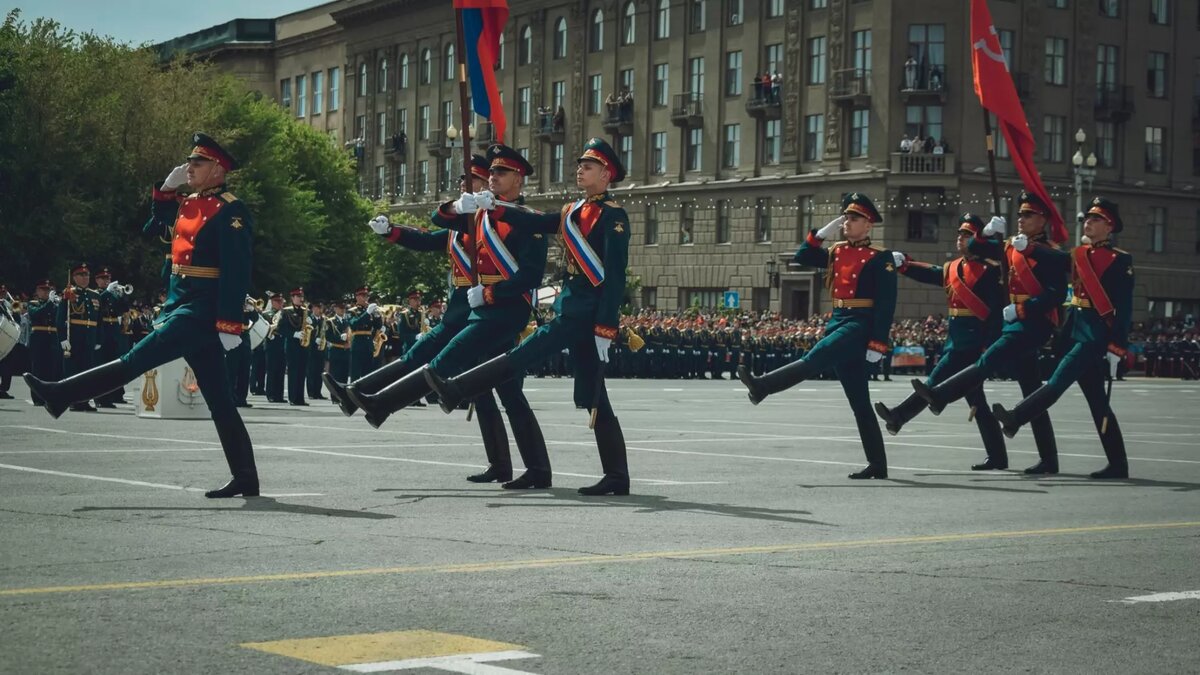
{"x":139,"y":21}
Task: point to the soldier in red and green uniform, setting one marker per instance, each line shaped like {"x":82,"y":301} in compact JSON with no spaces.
{"x":1098,"y":325}
{"x":861,"y":278}
{"x":78,"y":317}
{"x":1037,"y":286}
{"x":595,"y":231}
{"x":202,"y":317}
{"x":975,"y":299}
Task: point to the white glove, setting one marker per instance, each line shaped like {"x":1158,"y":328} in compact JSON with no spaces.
{"x":114,"y":287}
{"x":66,"y":345}
{"x":602,"y":344}
{"x":373,"y":309}
{"x":380,"y":225}
{"x":299,"y":335}
{"x":230,"y":341}
{"x":874,"y":356}
{"x":899,"y":258}
{"x":465,"y":204}
{"x":831,"y":229}
{"x":485,"y":200}
{"x":54,"y":297}
{"x":1010,"y":313}
{"x":995,"y":226}
{"x":1113,"y":361}
{"x":342,"y":337}
{"x":177,"y":177}
{"x":1019,"y":242}
{"x":96,"y":347}
{"x":475,"y":296}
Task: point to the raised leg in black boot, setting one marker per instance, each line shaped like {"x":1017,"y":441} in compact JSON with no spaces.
{"x":56,"y":397}
{"x":393,"y":398}
{"x":455,"y":390}
{"x":896,"y":418}
{"x":775,"y":381}
{"x":371,"y":383}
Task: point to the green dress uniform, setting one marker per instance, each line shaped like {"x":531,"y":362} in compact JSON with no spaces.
{"x":78,"y":319}
{"x":1037,"y":280}
{"x":317,"y":352}
{"x":1098,"y":325}
{"x":975,"y":298}
{"x":258,"y":362}
{"x":45,"y":352}
{"x":595,"y":234}
{"x":211,"y":249}
{"x":862,"y":282}
{"x":409,"y":323}
{"x":237,"y":362}
{"x":363,"y":326}
{"x":110,"y":335}
{"x":274,"y":357}
{"x":292,"y":323}
{"x":338,"y":347}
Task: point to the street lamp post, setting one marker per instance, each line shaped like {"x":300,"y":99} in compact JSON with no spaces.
{"x":1083,"y":174}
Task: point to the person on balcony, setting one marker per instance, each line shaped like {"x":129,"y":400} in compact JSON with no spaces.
{"x":935,"y":78}
{"x":560,"y":119}
{"x":776,"y":83}
{"x":906,"y":144}
{"x":939,"y":149}
{"x":611,"y":104}
{"x":910,"y":74}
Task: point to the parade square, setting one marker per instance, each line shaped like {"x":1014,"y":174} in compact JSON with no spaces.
{"x":742,"y":547}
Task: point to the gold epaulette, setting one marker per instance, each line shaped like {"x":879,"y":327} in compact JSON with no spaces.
{"x":1120,"y":250}
{"x":229,"y":197}
{"x":612,"y":204}
{"x":876,"y":247}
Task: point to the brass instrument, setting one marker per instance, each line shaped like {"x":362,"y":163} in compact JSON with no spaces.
{"x":632,"y":339}
{"x":380,"y":338}
{"x":306,"y":331}
{"x":274,"y":324}
{"x":322,"y":342}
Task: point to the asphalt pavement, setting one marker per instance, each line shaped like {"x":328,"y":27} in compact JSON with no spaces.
{"x":743,"y":548}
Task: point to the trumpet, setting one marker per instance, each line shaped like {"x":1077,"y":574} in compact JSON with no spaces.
{"x":380,"y":338}
{"x":127,"y":289}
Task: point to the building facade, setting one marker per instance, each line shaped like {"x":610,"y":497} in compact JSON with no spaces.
{"x":728,"y":172}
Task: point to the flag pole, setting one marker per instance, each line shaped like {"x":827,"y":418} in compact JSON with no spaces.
{"x":460,"y":50}
{"x":990,"y":137}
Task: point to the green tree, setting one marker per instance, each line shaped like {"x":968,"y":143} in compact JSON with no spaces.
{"x":393,"y":270}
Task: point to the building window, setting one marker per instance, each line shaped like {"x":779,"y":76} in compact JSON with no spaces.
{"x":816,"y":60}
{"x":860,"y":123}
{"x":558,"y":93}
{"x":696,"y":77}
{"x":1007,"y":38}
{"x":625,"y":149}
{"x":687,"y":223}
{"x":723,"y":229}
{"x":402,"y":121}
{"x":1056,"y":4}
{"x":525,"y":47}
{"x":625,"y":77}
{"x":736,"y":12}
{"x":927,"y":51}
{"x":362,"y":79}
{"x":814,"y":137}
{"x":381,"y":129}
{"x":595,"y":94}
{"x":382,"y":75}
{"x":658,"y":155}
{"x":285,"y":93}
{"x":774,"y":9}
{"x":649,"y":296}
{"x":762,"y":219}
{"x":523,"y":102}
{"x":560,"y":39}
{"x":629,"y":24}
{"x":447,"y":114}
{"x":380,"y":181}
{"x":1054,"y":129}
{"x":318,"y":88}
{"x":1156,"y":74}
{"x":924,"y":121}
{"x":771,"y":142}
{"x":773,"y":57}
{"x":998,"y":139}
{"x":1110,"y":8}
{"x":695,"y":147}
{"x":335,"y":89}
{"x":556,"y":163}
{"x":651,"y":224}
{"x":448,"y":63}
{"x":1106,"y":144}
{"x":1056,"y":61}
{"x":1107,"y":58}
{"x":701,"y":297}
{"x":922,"y":226}
{"x":662,"y":22}
{"x":301,"y":96}
{"x":1158,"y":11}
{"x":422,"y":181}
{"x":423,"y":123}
{"x":1158,"y":229}
{"x":596,"y":36}
{"x":360,"y":127}
{"x":661,"y":71}
{"x":697,"y":9}
{"x":804,"y":224}
{"x":426,"y":66}
{"x":818,"y":4}
{"x":733,"y":73}
{"x":1155,"y":149}
{"x":860,"y":41}
{"x":447,"y":182}
{"x":401,"y":180}
{"x":732,"y":157}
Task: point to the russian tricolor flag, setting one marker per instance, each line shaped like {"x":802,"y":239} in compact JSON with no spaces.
{"x":482,"y":22}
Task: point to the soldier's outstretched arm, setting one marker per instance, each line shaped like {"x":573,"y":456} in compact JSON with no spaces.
{"x":545,"y":223}
{"x":922,"y":272}
{"x":416,"y":240}
{"x":446,"y":217}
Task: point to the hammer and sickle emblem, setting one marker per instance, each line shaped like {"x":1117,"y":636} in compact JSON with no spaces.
{"x":982,"y":46}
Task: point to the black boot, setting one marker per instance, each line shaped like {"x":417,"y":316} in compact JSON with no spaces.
{"x":775,"y":381}
{"x":371,"y":383}
{"x":1030,"y":407}
{"x":1043,"y":467}
{"x":611,"y":443}
{"x":495,"y":446}
{"x":394,"y":398}
{"x":1111,"y":472}
{"x":239,"y":455}
{"x":532,"y":446}
{"x":949,"y":391}
{"x":872,"y":471}
{"x":896,"y":418}
{"x":455,"y":390}
{"x":56,"y":397}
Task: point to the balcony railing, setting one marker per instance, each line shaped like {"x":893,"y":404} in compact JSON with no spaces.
{"x":921,"y":163}
{"x":440,"y":146}
{"x":548,"y":129}
{"x":397,"y":149}
{"x":852,"y":85}
{"x":687,"y":110}
{"x":764,"y":101}
{"x":1114,"y":102}
{"x":618,"y":119}
{"x":923,"y":82}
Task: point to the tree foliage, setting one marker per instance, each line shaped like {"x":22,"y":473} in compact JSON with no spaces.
{"x":393,"y":271}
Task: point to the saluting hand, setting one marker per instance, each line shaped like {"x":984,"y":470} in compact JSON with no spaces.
{"x":831,"y":228}
{"x":177,"y":177}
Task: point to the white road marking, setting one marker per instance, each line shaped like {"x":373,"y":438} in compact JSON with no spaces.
{"x":139,"y":483}
{"x":471,"y":664}
{"x":1161,"y":597}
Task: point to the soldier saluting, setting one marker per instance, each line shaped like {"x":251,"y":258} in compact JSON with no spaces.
{"x":861,"y":278}
{"x":1098,"y":324}
{"x":202,"y":317}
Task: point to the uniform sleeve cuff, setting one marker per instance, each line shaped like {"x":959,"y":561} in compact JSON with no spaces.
{"x":813,"y":239}
{"x":609,"y":332}
{"x":394,"y":234}
{"x":877,"y":346}
{"x":1021,"y":311}
{"x":161,"y":195}
{"x":489,"y":298}
{"x":1115,"y":349}
{"x":230,"y":327}
{"x":446,"y":212}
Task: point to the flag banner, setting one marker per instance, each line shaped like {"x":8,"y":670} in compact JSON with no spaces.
{"x":482,"y":23}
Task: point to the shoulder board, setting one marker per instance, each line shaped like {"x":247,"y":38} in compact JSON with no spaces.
{"x":877,"y":247}
{"x":612,"y":204}
{"x":1120,"y":251}
{"x":229,"y":197}
{"x":989,"y":261}
{"x":837,"y":244}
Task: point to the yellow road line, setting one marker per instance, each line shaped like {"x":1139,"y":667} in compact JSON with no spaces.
{"x":537,"y":563}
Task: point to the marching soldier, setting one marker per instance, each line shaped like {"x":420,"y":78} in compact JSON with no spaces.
{"x":337,"y":336}
{"x":975,"y":297}
{"x":237,"y":360}
{"x":595,"y":232}
{"x":77,"y":319}
{"x":365,"y":320}
{"x":203,"y":315}
{"x":273,"y":352}
{"x":1098,"y":325}
{"x":1037,"y":279}
{"x":110,"y":333}
{"x":45,"y":352}
{"x":316,"y":349}
{"x":861,"y":278}
{"x":507,"y":263}
{"x":410,"y":323}
{"x":297,"y":332}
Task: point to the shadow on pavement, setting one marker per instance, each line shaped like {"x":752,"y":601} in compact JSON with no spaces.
{"x":902,"y":483}
{"x":253,"y":504}
{"x":560,"y":497}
